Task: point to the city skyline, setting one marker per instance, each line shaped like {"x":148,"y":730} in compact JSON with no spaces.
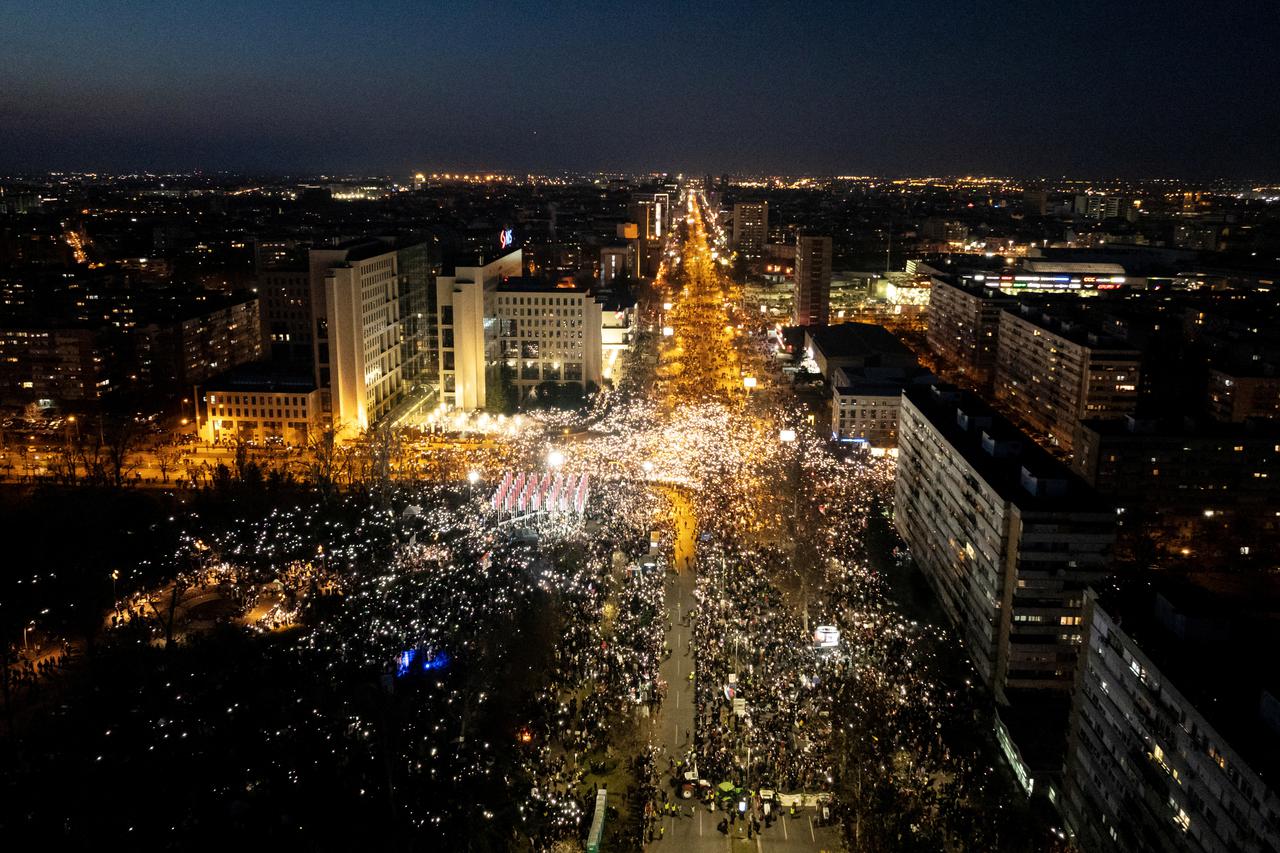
{"x":934,"y":89}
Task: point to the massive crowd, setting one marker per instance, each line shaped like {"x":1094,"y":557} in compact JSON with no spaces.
{"x":485,"y":671}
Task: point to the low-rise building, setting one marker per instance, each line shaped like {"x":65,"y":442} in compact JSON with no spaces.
{"x":865,"y":410}
{"x":254,"y":404}
{"x":858,"y":346}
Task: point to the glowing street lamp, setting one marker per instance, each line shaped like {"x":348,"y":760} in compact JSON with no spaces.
{"x":748,"y":382}
{"x":787,"y":436}
{"x":473,"y":477}
{"x":555,"y":459}
{"x":668,"y":331}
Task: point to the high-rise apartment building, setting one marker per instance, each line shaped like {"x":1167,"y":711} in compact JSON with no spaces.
{"x":750,"y":227}
{"x":1007,"y":537}
{"x":285,"y":299}
{"x":1175,"y":723}
{"x":1054,"y":373}
{"x":812,"y":281}
{"x":964,"y":325}
{"x":59,"y":365}
{"x":1035,"y":202}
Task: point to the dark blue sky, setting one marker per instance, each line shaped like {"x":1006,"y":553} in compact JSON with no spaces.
{"x":1123,"y":87}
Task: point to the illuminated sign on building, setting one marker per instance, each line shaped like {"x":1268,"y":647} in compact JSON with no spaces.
{"x":506,"y":237}
{"x":1051,"y":282}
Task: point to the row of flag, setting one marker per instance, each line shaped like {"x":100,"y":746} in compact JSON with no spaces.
{"x":531,"y":492}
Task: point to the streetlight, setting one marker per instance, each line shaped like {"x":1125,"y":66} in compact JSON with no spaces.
{"x":787,"y":436}
{"x":115,"y":598}
{"x":473,"y":477}
{"x":25,"y":647}
{"x":748,"y":382}
{"x":555,"y":459}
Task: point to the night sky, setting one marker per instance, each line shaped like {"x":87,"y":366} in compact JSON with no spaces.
{"x":1089,"y":89}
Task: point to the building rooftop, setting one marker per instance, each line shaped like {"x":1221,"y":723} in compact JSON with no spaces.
{"x":973,"y":288}
{"x":536,"y":284}
{"x":1187,"y":426}
{"x":1051,"y":266}
{"x":475,"y":260}
{"x":847,"y":383}
{"x":263,"y":377}
{"x":1005,"y":457}
{"x":851,"y":340}
{"x":1072,"y":325}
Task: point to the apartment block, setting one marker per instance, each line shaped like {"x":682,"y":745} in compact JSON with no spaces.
{"x":1175,"y":724}
{"x":1007,"y":537}
{"x":1053,"y":373}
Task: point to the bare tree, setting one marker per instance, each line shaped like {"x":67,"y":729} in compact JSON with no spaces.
{"x":119,"y":443}
{"x":325,"y":455}
{"x":385,"y":451}
{"x":167,"y":457}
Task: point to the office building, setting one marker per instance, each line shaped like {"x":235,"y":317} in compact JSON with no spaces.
{"x":374,"y":321}
{"x":1007,"y":537}
{"x":867,"y":368}
{"x":750,"y":227}
{"x":259,"y":404}
{"x":1053,"y":373}
{"x":548,"y":333}
{"x":1175,"y":724}
{"x":964,"y":325}
{"x":468,"y":331}
{"x":812,"y":281}
{"x":866,"y":410}
{"x":651,"y":212}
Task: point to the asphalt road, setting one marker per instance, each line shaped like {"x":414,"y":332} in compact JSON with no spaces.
{"x":695,"y":829}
